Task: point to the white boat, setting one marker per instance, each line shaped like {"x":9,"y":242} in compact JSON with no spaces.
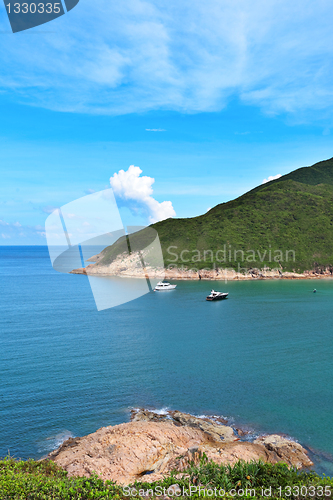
{"x":217,"y":295}
{"x":162,"y":285}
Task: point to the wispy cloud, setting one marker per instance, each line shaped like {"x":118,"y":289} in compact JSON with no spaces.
{"x":116,"y":58}
{"x":16,"y":233}
{"x":272,"y":178}
{"x":155,"y":130}
{"x":136,"y":191}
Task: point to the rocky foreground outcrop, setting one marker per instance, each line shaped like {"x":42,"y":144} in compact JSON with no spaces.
{"x":152,"y":445}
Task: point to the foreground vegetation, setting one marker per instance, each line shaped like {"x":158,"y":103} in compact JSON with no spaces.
{"x":291,"y":214}
{"x":32,"y":480}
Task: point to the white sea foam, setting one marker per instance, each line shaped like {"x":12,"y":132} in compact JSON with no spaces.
{"x":162,"y":411}
{"x":215,"y":418}
{"x":252,"y":436}
{"x":53,"y":442}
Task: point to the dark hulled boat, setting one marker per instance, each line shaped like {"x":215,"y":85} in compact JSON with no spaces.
{"x":216,"y":295}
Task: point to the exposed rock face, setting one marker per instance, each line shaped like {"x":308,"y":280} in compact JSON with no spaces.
{"x":142,"y":415}
{"x":217,"y":432}
{"x":126,"y":452}
{"x":153,"y":445}
{"x":130,"y":266}
{"x":285,"y":449}
{"x":79,"y":270}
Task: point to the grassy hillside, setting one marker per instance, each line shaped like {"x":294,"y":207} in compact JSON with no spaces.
{"x":285,"y":224}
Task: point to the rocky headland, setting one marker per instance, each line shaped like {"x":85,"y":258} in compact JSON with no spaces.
{"x":154,"y":444}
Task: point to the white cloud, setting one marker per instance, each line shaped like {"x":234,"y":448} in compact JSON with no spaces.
{"x":141,"y":55}
{"x":155,"y":130}
{"x":137,"y":191}
{"x":272,"y":178}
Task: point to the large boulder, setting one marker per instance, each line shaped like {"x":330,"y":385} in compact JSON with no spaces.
{"x":212,"y":427}
{"x":154,"y":445}
{"x":286,"y":450}
{"x":127,"y":452}
{"x":217,"y":431}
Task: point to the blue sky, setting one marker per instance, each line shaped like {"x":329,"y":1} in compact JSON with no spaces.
{"x":206,"y":98}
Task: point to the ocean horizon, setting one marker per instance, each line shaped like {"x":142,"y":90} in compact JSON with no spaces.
{"x":261,"y":358}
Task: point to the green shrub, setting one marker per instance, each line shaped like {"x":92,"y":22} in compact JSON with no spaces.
{"x":33,"y":480}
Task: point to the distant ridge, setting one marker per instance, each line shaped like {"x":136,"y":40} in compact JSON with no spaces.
{"x":319,"y":173}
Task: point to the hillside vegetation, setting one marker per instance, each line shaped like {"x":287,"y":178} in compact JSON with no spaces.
{"x":33,"y":480}
{"x":285,"y":224}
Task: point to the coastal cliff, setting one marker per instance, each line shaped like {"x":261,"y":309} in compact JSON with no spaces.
{"x":130,"y":266}
{"x":152,"y":445}
{"x":281,"y":229}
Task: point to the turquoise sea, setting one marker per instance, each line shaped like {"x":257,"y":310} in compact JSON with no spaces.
{"x":263,"y":357}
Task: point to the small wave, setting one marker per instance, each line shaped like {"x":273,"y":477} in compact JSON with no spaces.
{"x":218,"y":419}
{"x":53,"y":442}
{"x":251,"y":436}
{"x":162,"y":411}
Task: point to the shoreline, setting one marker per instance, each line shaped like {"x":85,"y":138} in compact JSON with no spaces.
{"x":204,"y":275}
{"x":155,"y":442}
{"x":136,"y":265}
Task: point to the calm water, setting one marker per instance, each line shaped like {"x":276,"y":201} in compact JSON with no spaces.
{"x":263,"y":357}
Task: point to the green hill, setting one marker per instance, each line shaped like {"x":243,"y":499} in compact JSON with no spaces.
{"x":286,"y":223}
